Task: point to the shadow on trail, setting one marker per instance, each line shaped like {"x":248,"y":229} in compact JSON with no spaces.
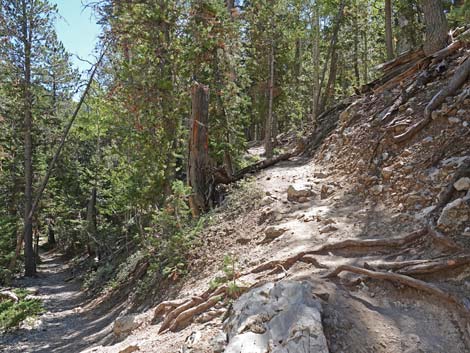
{"x":65,"y":326}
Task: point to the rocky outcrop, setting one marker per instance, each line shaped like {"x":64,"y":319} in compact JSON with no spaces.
{"x":278,"y":318}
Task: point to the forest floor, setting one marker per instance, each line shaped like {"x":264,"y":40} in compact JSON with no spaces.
{"x":359,"y":316}
{"x":65,"y":326}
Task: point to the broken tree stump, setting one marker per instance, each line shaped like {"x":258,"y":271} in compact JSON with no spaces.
{"x":198,"y":160}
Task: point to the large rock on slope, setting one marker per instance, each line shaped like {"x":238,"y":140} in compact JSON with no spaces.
{"x":277,"y":317}
{"x":455,"y":215}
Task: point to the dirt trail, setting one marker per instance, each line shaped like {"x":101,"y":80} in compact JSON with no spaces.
{"x":64,"y":327}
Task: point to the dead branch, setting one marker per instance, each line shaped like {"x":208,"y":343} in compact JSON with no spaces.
{"x":459,"y":78}
{"x":394,"y":265}
{"x":446,"y":196}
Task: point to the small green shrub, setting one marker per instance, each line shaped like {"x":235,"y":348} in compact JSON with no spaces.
{"x":13,"y":314}
{"x":229,"y":269}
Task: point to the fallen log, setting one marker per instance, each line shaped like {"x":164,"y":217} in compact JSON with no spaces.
{"x":459,"y":78}
{"x":256,"y":167}
{"x":8,"y":295}
{"x":419,"y":65}
{"x":409,"y":56}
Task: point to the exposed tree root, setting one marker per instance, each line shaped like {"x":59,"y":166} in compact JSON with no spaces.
{"x":421,"y":267}
{"x":287,"y":263}
{"x":270,"y":265}
{"x":166,"y":306}
{"x":406,"y":280}
{"x":185,"y":317}
{"x":179,"y":313}
{"x":442,"y":240}
{"x":436,"y":266}
{"x":459,"y":78}
{"x":172,"y":315}
{"x":366,"y":243}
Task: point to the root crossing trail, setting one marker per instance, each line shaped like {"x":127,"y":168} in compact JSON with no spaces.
{"x":65,"y":326}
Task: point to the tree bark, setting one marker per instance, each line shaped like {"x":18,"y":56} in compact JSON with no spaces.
{"x":316,"y":61}
{"x":331,"y":52}
{"x":356,"y":48}
{"x":198,"y":160}
{"x":51,"y":241}
{"x":388,"y":29}
{"x":91,"y":224}
{"x":30,"y":264}
{"x":330,"y":87}
{"x":268,"y":139}
{"x":436,"y":26}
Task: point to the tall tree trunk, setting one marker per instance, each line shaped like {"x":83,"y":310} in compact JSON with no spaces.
{"x":356,"y":48}
{"x":198,"y":160}
{"x":298,"y":59}
{"x":331,"y":52}
{"x":365,"y":58}
{"x":330,"y":87}
{"x":316,"y":61}
{"x":436,"y":26}
{"x":268,"y":139}
{"x":51,"y":241}
{"x":93,"y":245}
{"x":388,"y":29}
{"x":30,"y":264}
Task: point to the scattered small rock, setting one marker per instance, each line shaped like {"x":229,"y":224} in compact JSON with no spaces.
{"x":377,"y":189}
{"x":294,"y":194}
{"x":328,"y":229}
{"x":272,"y":233}
{"x":130,"y":349}
{"x":324,"y":192}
